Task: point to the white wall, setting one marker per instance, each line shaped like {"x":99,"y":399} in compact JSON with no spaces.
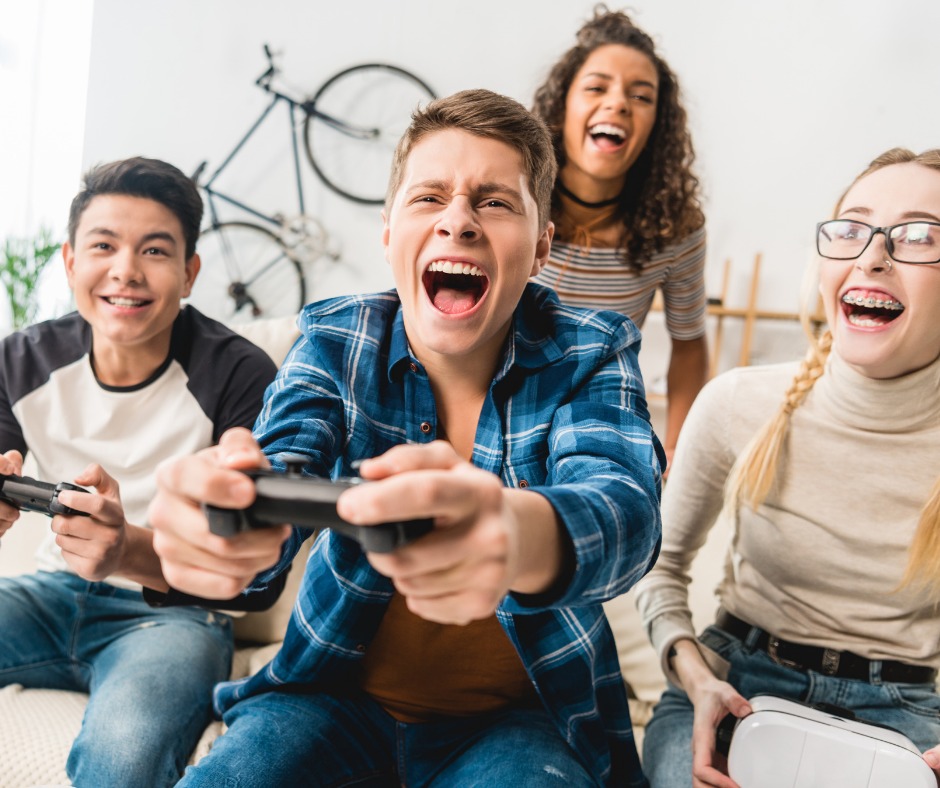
{"x":788,"y":101}
{"x":44,"y":52}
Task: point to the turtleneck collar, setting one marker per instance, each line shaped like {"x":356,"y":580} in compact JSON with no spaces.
{"x":906,"y":404}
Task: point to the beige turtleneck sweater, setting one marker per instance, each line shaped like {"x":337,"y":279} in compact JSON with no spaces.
{"x":819,"y":561}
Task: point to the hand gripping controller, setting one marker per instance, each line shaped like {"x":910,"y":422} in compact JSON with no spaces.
{"x":35,"y":496}
{"x":308,"y":502}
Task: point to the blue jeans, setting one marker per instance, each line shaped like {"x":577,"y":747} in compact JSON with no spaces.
{"x":149,"y":672}
{"x":330,"y":739}
{"x":913,"y":709}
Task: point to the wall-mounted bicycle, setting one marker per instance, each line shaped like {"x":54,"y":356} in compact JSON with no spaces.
{"x":350,"y":129}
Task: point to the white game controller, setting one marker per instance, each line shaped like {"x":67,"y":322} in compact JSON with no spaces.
{"x":785,"y":744}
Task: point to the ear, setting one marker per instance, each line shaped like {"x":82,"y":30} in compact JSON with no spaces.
{"x":542,"y":247}
{"x":68,"y":257}
{"x":193,"y":264}
{"x":386,"y":231}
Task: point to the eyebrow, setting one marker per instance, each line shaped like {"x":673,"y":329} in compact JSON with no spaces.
{"x":908,"y":215}
{"x":483,"y":190}
{"x":157,"y":236}
{"x":635,"y":83}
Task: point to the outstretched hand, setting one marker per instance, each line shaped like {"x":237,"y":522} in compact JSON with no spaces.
{"x":11,"y":464}
{"x":481,"y":547}
{"x":194,"y":560}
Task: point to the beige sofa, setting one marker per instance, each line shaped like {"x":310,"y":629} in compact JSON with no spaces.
{"x":37,"y":726}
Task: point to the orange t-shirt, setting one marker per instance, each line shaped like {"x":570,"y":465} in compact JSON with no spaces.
{"x":420,"y":671}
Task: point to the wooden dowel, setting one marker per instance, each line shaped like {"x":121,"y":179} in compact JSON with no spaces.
{"x":750,"y":315}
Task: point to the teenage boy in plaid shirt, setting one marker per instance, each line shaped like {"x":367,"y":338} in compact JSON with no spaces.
{"x":480,"y":654}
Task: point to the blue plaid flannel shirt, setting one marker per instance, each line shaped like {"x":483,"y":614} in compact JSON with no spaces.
{"x":565,"y":413}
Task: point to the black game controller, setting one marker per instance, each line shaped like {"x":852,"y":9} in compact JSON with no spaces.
{"x":308,"y":502}
{"x":35,"y":496}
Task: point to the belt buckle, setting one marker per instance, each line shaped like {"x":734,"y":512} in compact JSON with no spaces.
{"x":772,"y":645}
{"x":830,"y":661}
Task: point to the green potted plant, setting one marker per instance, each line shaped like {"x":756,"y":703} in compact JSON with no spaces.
{"x":20,"y":268}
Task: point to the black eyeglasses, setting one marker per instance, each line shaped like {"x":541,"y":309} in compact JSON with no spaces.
{"x":917,"y":243}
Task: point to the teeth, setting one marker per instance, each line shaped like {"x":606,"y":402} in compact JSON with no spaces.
{"x":607,"y":128}
{"x":855,"y":320}
{"x":125,"y":301}
{"x":895,"y":306}
{"x":447,"y":267}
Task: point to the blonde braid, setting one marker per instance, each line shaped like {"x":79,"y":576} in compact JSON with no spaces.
{"x":923,"y":564}
{"x":753,"y":473}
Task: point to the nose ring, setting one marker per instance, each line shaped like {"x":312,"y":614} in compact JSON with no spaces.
{"x":888,"y":263}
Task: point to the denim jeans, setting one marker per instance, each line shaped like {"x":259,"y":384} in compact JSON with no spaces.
{"x":329,"y":739}
{"x":913,"y":709}
{"x":149,"y":672}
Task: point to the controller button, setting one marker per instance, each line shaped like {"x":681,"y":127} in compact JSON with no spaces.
{"x":425,"y":427}
{"x":523,"y":484}
{"x":413,"y":367}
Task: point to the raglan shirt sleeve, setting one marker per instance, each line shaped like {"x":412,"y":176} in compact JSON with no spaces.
{"x":603,"y":481}
{"x":11,"y":434}
{"x":684,"y":300}
{"x":691,"y":504}
{"x":243,"y":395}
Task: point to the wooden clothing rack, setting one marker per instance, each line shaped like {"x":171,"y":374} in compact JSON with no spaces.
{"x":750,"y":314}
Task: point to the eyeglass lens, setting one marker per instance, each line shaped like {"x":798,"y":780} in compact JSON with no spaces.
{"x":914,"y":242}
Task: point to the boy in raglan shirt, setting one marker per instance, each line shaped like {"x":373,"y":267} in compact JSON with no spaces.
{"x":100,"y":397}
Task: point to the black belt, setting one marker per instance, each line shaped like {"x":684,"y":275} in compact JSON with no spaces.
{"x":829,"y":662}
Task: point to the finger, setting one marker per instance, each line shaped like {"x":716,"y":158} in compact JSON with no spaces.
{"x":104,"y":510}
{"x":487,"y":581}
{"x":932,"y":758}
{"x":438,"y":455}
{"x":11,"y":463}
{"x":199,"y":478}
{"x":703,"y":749}
{"x":238,"y":449}
{"x":202,"y":583}
{"x":178,"y":519}
{"x":96,"y":476}
{"x":84,"y":528}
{"x":9,"y":513}
{"x":180,"y":553}
{"x":447,"y":494}
{"x":458,"y":609}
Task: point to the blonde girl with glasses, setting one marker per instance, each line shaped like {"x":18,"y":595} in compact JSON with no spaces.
{"x":829,"y":473}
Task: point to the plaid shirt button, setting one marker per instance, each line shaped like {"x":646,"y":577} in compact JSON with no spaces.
{"x":425,"y":427}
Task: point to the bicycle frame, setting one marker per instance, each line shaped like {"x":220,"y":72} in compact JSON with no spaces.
{"x":308,"y":108}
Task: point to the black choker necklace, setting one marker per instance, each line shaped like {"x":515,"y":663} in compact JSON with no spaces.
{"x":584,"y":203}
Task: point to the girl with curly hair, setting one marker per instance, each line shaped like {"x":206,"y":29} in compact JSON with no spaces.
{"x":626,"y":205}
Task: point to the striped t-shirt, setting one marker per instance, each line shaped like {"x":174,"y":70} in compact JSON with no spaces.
{"x":600,"y":279}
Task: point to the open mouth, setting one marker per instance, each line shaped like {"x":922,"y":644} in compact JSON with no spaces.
{"x":870,"y":308}
{"x":126,"y":303}
{"x":607,"y":136}
{"x":454,"y":288}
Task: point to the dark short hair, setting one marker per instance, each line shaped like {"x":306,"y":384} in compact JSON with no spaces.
{"x":485,"y":114}
{"x":149,"y":178}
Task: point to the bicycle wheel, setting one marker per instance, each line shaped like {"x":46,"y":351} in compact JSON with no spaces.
{"x":371,"y":97}
{"x":246,"y":273}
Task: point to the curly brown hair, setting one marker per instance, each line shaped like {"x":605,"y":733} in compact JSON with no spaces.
{"x":660,"y":201}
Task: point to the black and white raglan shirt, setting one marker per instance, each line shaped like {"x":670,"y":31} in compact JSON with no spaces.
{"x":52,"y":404}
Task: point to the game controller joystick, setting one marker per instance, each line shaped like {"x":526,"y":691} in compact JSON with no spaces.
{"x":35,"y":496}
{"x":308,"y":502}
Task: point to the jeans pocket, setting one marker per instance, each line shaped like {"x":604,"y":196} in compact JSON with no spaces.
{"x":719,"y":641}
{"x":919,"y":699}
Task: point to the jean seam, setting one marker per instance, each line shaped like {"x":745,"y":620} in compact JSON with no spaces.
{"x":914,"y":708}
{"x":71,"y":650}
{"x":31,"y":665}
